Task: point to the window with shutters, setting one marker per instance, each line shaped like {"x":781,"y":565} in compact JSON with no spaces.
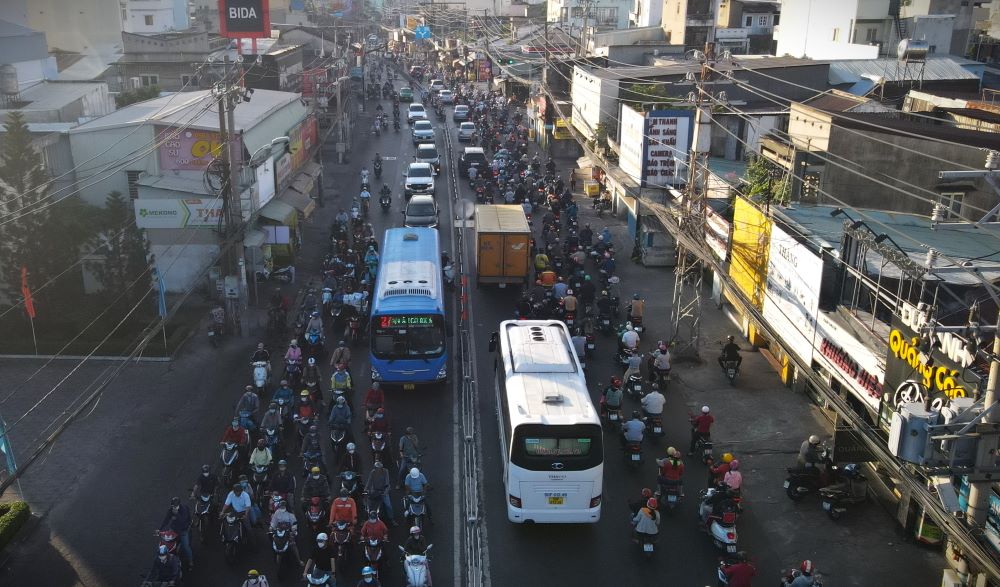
{"x":133,"y":183}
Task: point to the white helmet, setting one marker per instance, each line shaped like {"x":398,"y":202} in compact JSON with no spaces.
{"x":814,"y":439}
{"x":414,"y":472}
{"x":705,"y":409}
{"x":321,"y":537}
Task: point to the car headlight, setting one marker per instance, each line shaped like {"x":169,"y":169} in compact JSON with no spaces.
{"x":376,"y":376}
{"x":442,"y":373}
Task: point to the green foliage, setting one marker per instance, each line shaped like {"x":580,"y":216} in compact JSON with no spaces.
{"x":138,"y":95}
{"x":41,"y":231}
{"x":124,"y":248}
{"x":13,"y":516}
{"x":642,"y":96}
{"x":766,"y":181}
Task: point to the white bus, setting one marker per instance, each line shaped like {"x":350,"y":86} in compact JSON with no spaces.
{"x":551,"y":443}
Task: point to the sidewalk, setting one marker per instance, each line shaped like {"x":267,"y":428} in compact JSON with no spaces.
{"x":762,"y":423}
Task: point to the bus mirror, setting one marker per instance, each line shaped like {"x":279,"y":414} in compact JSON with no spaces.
{"x":493,"y":342}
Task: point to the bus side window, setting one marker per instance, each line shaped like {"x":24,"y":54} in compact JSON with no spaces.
{"x":494,"y":338}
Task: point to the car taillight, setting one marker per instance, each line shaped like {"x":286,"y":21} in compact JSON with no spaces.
{"x":514,"y":501}
{"x":595,"y":501}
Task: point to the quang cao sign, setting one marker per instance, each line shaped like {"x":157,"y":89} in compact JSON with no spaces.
{"x":911,"y":377}
{"x":189,"y":150}
{"x":178,"y":213}
{"x":244,"y":19}
{"x":652,"y":143}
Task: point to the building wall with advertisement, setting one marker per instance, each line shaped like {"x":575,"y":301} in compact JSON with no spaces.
{"x":749,"y":251}
{"x":652,"y":143}
{"x":187,"y":150}
{"x":791,"y":300}
{"x":842,"y":355}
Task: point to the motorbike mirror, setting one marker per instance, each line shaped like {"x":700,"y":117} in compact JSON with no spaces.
{"x":401,"y":549}
{"x":494,"y":338}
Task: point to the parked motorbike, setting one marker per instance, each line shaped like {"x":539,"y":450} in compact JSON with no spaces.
{"x":802,"y":481}
{"x":417,"y":568}
{"x":281,"y":275}
{"x":853,"y":489}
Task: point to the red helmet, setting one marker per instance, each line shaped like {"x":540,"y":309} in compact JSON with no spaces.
{"x":806,"y":566}
{"x":616,"y":381}
{"x":652,"y":504}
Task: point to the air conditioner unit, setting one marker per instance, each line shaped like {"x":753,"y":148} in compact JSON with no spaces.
{"x":134,"y":83}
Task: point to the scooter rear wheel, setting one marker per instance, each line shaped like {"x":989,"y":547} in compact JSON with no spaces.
{"x":793,"y":492}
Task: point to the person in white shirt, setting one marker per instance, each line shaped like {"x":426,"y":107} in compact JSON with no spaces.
{"x":630,"y":338}
{"x":652,"y":402}
{"x":239,"y":501}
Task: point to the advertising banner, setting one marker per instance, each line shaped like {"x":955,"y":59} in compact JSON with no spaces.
{"x":716,"y":233}
{"x":303,"y":140}
{"x":282,"y":171}
{"x":485,"y":69}
{"x":265,"y":183}
{"x":850,"y":360}
{"x":244,"y":19}
{"x":190,"y":150}
{"x":178,"y":213}
{"x":791,"y":302}
{"x":942,"y":373}
{"x":653,"y":142}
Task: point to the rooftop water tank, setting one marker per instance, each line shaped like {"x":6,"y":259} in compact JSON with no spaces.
{"x":8,"y":80}
{"x":911,"y":50}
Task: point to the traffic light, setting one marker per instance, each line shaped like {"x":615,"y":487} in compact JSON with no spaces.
{"x":510,"y":61}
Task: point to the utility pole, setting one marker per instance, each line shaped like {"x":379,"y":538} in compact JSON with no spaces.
{"x":685,"y":310}
{"x":545,"y":68}
{"x":587,"y":6}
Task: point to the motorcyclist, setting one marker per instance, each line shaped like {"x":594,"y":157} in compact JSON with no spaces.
{"x":323,"y":556}
{"x":804,"y":576}
{"x":579,"y":344}
{"x":630,"y":338}
{"x":261,"y":354}
{"x":255,"y":579}
{"x":378,"y":485}
{"x":633,"y":429}
{"x":570,"y":301}
{"x":271,"y":418}
{"x":740,"y":573}
{"x":342,"y":217}
{"x":671,"y":470}
{"x":341,"y":356}
{"x":284,"y":392}
{"x":701,"y":428}
{"x":730,"y":352}
{"x":341,"y":417}
{"x":541,"y":261}
{"x":261,"y":456}
{"x":374,"y":399}
{"x":374,"y":528}
{"x":239,"y":501}
{"x":344,"y":509}
{"x":294,"y":353}
{"x":207,"y":483}
{"x":341,"y":384}
{"x":386,"y":193}
{"x":734,"y":478}
{"x":371,"y":260}
{"x":636,"y":309}
{"x":249,"y":404}
{"x":810,"y":452}
{"x":646,"y":521}
{"x":409,"y":453}
{"x":660,"y":365}
{"x":282,"y":515}
{"x":604,"y":304}
{"x":166,"y":568}
{"x":315,"y":324}
{"x":311,"y":374}
{"x":634,"y":366}
{"x":416,"y":543}
{"x":178,"y":519}
{"x":717,"y":473}
{"x":365,"y":196}
{"x":652,"y":402}
{"x":312,"y":448}
{"x":236,"y":434}
{"x":283,"y":481}
{"x":634,"y":505}
{"x":316,"y":485}
{"x":350,"y":460}
{"x":368,"y":578}
{"x":612,"y":397}
{"x":379,"y":423}
{"x":606,"y":236}
{"x":586,"y":236}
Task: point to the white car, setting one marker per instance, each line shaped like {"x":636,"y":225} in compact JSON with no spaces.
{"x":446,"y":97}
{"x":423,"y":132}
{"x":436,"y":85}
{"x":419,"y":180}
{"x":465,"y":131}
{"x":415,"y":111}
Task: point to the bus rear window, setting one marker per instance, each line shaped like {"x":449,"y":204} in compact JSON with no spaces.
{"x":557,"y":447}
{"x":575,"y":447}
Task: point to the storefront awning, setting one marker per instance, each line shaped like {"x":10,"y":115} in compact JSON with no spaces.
{"x":303,"y":184}
{"x":278,"y":211}
{"x":300,"y":201}
{"x":312,"y":169}
{"x":254,"y":238}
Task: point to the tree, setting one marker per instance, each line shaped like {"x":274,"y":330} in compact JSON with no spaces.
{"x":40,"y":231}
{"x":638,"y":96}
{"x":123,"y":99}
{"x":766,"y":181}
{"x":124,"y":248}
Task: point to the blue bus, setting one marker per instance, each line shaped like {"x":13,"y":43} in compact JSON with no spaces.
{"x":407,"y":312}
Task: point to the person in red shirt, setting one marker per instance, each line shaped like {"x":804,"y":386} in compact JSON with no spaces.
{"x":718,"y":473}
{"x":374,"y":528}
{"x":236,"y":434}
{"x":740,"y":573}
{"x":374,"y":399}
{"x":344,"y":509}
{"x":701,"y":428}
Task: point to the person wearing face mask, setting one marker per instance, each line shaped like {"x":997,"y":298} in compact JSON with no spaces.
{"x":283,"y":482}
{"x":351,"y":460}
{"x":206,"y":484}
{"x":178,"y":519}
{"x":322,"y":556}
{"x":378,"y":485}
{"x":316,"y":485}
{"x":271,"y":419}
{"x":283,"y":516}
{"x":239,"y":501}
{"x":368,"y":578}
{"x":166,"y":568}
{"x":255,"y":579}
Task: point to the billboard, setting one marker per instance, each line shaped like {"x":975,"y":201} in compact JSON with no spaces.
{"x":178,"y":213}
{"x":265,"y":183}
{"x":302,"y":141}
{"x":839,"y":351}
{"x":791,"y":301}
{"x":244,"y":19}
{"x":189,"y":150}
{"x":652,"y":143}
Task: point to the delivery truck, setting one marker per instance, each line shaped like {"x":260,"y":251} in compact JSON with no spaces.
{"x":503,"y":245}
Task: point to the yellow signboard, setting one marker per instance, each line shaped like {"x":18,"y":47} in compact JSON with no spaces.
{"x":751,"y":242}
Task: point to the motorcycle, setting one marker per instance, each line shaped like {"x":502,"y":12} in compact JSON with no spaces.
{"x":316,"y":515}
{"x":802,"y":481}
{"x":204,"y":510}
{"x":318,"y":577}
{"x":378,"y":446}
{"x":232,"y":535}
{"x":373,"y":553}
{"x":449,"y":275}
{"x":415,"y":508}
{"x":614,"y":417}
{"x":655,"y":425}
{"x":624,"y":354}
{"x":634,"y":386}
{"x":730,"y":367}
{"x":168,"y":538}
{"x":349,"y":482}
{"x":633,"y":453}
{"x":647,"y":544}
{"x":281,"y":539}
{"x":378,"y":170}
{"x":281,"y":274}
{"x":303,"y":420}
{"x":354,"y":329}
{"x":215,"y":332}
{"x":385,"y":201}
{"x":417,"y":568}
{"x":602,"y":205}
{"x":670,"y":496}
{"x":721,"y":519}
{"x":395,"y":124}
{"x":604,"y":324}
{"x":283,"y":411}
{"x":852,"y":490}
{"x":259,"y":478}
{"x":338,"y":441}
{"x":341,"y":534}
{"x":260,"y":377}
{"x":230,"y":454}
{"x":293,"y":373}
{"x":314,"y":343}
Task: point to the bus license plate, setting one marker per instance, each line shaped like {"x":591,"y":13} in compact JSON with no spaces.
{"x":556,"y":500}
{"x":635,"y":456}
{"x":647,"y":547}
{"x":409,"y":386}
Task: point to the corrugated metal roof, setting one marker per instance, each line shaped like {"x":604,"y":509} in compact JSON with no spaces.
{"x":937,"y":68}
{"x":669,"y":67}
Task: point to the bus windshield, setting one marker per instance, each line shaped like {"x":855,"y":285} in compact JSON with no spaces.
{"x":407,"y":336}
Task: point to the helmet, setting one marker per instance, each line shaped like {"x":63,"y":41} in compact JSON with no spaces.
{"x":282,"y":462}
{"x":414,"y":472}
{"x":373,"y":515}
{"x":314,"y":470}
{"x":647,"y":492}
{"x":569,"y":292}
{"x":341,"y":400}
{"x":304,"y":393}
{"x":635,"y":414}
{"x":410,"y":430}
{"x":260,"y":346}
{"x":312,"y":361}
{"x":284,"y":382}
{"x":375,"y":385}
{"x":727,"y":457}
{"x":730,"y":338}
{"x":671,"y":451}
{"x":313,"y":429}
{"x":415,"y":530}
{"x":294,"y":342}
{"x":814,"y":439}
{"x":635,"y":296}
{"x":163,"y":549}
{"x":604,"y":292}
{"x":652,"y":504}
{"x":378,"y":464}
{"x":851,"y":470}
{"x":175,"y":501}
{"x":252,"y":573}
{"x":380,"y":411}
{"x":367,"y":572}
{"x":806,"y":567}
{"x":261,"y":442}
{"x":705,"y":409}
{"x":735,"y":465}
{"x":206,"y":468}
{"x":248,"y":388}
{"x":341,"y":343}
{"x":321,"y":537}
{"x":351,"y":447}
{"x":616,"y":381}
